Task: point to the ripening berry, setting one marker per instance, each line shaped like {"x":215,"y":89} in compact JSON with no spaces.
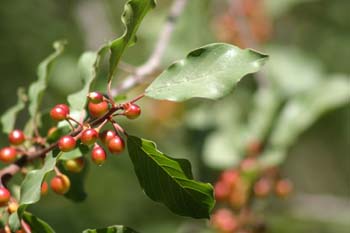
{"x":66,"y":143}
{"x":222,"y":191}
{"x":97,"y":110}
{"x":107,"y":135}
{"x":8,"y":154}
{"x":230,"y":177}
{"x":132,"y":111}
{"x":283,"y":188}
{"x":239,"y":195}
{"x":59,"y":112}
{"x":95,"y":97}
{"x":89,"y":136}
{"x":225,"y":221}
{"x":4,"y":196}
{"x":60,"y":184}
{"x":12,"y":207}
{"x":51,"y":131}
{"x":74,"y":165}
{"x":44,"y":188}
{"x":16,"y":137}
{"x":98,"y":155}
{"x":262,"y":187}
{"x":116,"y":145}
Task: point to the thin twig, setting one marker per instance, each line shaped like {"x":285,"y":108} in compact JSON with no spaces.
{"x":152,"y":64}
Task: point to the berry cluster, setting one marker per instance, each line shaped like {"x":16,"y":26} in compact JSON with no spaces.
{"x":236,"y":190}
{"x":88,"y":132}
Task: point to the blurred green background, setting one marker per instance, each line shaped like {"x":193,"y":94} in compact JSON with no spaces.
{"x":318,"y":31}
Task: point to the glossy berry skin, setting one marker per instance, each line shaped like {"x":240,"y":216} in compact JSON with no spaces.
{"x":97,"y":110}
{"x":89,"y":137}
{"x":74,"y":165}
{"x":116,"y":145}
{"x":66,"y":143}
{"x":8,"y":154}
{"x":95,"y":97}
{"x":59,"y":113}
{"x":44,"y":188}
{"x":5,"y":196}
{"x":98,"y":155}
{"x":60,"y":184}
{"x":107,"y":135}
{"x":64,"y":106}
{"x":132,"y":111}
{"x":16,"y":137}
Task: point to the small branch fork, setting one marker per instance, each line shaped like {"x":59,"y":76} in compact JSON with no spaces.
{"x":152,"y":64}
{"x":138,"y":76}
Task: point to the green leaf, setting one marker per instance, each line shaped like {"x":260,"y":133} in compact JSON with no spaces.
{"x":134,"y":12}
{"x":208,"y":72}
{"x":169,"y":180}
{"x":36,"y":224}
{"x":37,"y":89}
{"x":303,"y":111}
{"x":88,"y":66}
{"x":111,"y":229}
{"x":31,"y":188}
{"x":76,"y":153}
{"x":8,"y":119}
{"x":293,"y":72}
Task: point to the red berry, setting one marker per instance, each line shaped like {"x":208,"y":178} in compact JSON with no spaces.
{"x":89,"y":136}
{"x":97,"y":110}
{"x":8,"y":154}
{"x":230,"y":177}
{"x":116,"y":145}
{"x":59,"y":112}
{"x":66,"y":143}
{"x":132,"y":111}
{"x":44,"y":188}
{"x":283,"y":188}
{"x":107,"y":135}
{"x":5,"y":196}
{"x":64,"y":106}
{"x":225,"y":221}
{"x":60,"y":184}
{"x":98,"y":155}
{"x":262,"y":188}
{"x":74,"y":165}
{"x":16,"y":137}
{"x":95,"y":97}
{"x":222,"y":191}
